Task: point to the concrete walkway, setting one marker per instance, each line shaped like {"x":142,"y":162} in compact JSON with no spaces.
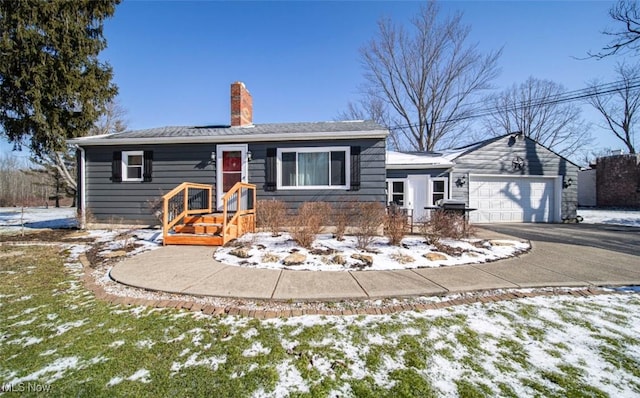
{"x":192,"y":270}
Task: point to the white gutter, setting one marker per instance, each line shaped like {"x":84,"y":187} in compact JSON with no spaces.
{"x":414,"y":166}
{"x":231,"y":138}
{"x":82,"y":194}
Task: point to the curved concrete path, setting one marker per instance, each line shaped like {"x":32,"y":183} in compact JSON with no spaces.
{"x":192,"y":270}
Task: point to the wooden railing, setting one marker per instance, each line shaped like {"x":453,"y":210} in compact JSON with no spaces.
{"x":240,"y":201}
{"x":184,"y":200}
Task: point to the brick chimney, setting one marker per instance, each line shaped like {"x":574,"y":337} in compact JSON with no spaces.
{"x":241,"y":105}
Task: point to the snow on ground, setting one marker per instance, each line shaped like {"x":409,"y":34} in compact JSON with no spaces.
{"x":615,"y":217}
{"x":408,"y":255}
{"x":13,"y":218}
{"x":267,"y":251}
{"x":507,"y":349}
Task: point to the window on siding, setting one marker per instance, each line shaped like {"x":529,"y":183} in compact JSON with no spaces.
{"x":311,"y":168}
{"x":396,"y":192}
{"x":132,"y":165}
{"x":438,"y":189}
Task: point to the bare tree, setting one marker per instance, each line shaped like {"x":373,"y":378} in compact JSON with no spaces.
{"x":627,"y":37}
{"x":62,"y":164}
{"x":370,"y":107}
{"x":533,"y":109}
{"x":619,"y":106}
{"x":111,"y":121}
{"x":427,"y":75}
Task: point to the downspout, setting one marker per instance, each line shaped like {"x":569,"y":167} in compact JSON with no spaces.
{"x":82,"y":202}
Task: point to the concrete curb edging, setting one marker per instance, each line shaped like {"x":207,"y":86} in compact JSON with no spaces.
{"x":101,"y":294}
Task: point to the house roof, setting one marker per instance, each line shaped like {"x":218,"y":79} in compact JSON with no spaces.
{"x":252,"y":133}
{"x":444,"y":159}
{"x":417,"y":160}
{"x":427,"y":160}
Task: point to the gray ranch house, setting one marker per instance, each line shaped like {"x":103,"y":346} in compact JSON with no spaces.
{"x":206,"y":180}
{"x":122,"y":176}
{"x":510,"y":178}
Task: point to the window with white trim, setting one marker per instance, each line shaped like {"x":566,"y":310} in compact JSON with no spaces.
{"x":439,"y":189}
{"x":132,"y":165}
{"x":396,"y":191}
{"x":313,"y":168}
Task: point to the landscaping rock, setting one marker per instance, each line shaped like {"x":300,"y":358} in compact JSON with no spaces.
{"x":435,"y":256}
{"x":363,"y":258}
{"x":294,"y":259}
{"x":402,"y":258}
{"x":270,"y":258}
{"x":321,"y":251}
{"x":240,"y":252}
{"x":338,"y":259}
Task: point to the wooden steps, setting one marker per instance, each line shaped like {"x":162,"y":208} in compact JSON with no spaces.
{"x":191,"y":239}
{"x":204,"y":230}
{"x":187,"y":217}
{"x":212,"y":229}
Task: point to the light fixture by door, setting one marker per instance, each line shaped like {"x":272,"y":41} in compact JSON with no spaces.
{"x":567,"y":182}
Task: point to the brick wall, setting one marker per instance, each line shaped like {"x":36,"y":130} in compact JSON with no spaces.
{"x":618,"y":181}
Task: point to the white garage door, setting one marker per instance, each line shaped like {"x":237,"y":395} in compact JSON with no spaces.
{"x":513,"y":199}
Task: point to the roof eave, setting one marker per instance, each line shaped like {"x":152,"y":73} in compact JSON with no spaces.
{"x":414,"y":166}
{"x":333,"y":135}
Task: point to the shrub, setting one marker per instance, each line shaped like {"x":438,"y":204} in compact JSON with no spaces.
{"x":309,"y":222}
{"x":270,"y":215}
{"x":341,"y":217}
{"x":395,"y":226}
{"x":445,"y":224}
{"x":367,"y":220}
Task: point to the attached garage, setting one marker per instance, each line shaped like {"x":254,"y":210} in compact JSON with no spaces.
{"x":514,"y":199}
{"x":511,"y":178}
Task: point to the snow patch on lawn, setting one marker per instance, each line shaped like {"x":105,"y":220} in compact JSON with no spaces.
{"x":256,"y":349}
{"x":116,"y":344}
{"x":210,"y":362}
{"x":146,"y":343}
{"x":141,"y":375}
{"x":65,"y":327}
{"x":57,"y":369}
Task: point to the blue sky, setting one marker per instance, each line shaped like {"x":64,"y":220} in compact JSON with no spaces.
{"x":174,"y":61}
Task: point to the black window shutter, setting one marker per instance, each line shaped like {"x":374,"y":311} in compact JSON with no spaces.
{"x":271,"y":170}
{"x":355,"y":168}
{"x":116,"y":167}
{"x":147,"y":166}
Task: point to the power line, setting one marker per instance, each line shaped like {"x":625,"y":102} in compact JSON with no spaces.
{"x":567,"y":96}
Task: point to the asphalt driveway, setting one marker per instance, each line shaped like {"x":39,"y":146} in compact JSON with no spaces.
{"x":616,"y":238}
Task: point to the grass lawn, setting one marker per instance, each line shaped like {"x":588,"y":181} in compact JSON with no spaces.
{"x":55,"y":336}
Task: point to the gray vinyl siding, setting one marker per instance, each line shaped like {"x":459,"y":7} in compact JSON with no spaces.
{"x":497,"y":157}
{"x":128,"y":202}
{"x":372,"y":174}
